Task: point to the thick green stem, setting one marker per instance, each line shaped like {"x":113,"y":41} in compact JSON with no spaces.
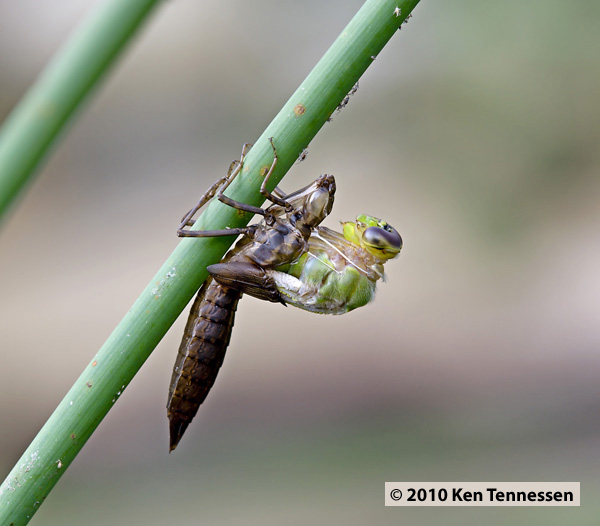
{"x":29,"y":132}
{"x":115,"y":364}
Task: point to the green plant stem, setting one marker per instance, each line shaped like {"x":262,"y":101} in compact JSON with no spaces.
{"x":30,"y":131}
{"x":115,"y":364}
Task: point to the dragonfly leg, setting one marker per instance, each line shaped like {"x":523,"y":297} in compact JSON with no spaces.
{"x":248,"y":278}
{"x":213,"y":233}
{"x":279,"y":192}
{"x":206,"y":197}
{"x":236,"y":204}
{"x":234,"y":168}
{"x":274,"y":197}
{"x":218,"y":186}
{"x":223,"y":182}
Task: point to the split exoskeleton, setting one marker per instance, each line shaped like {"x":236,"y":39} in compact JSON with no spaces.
{"x":288,"y":258}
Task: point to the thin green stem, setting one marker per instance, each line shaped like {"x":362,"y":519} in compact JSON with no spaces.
{"x":115,"y":364}
{"x":30,"y":131}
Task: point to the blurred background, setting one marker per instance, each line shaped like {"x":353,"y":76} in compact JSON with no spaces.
{"x":475,"y":133}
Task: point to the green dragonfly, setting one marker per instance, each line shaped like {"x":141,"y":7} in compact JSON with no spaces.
{"x":337,"y":274}
{"x":286,"y":258}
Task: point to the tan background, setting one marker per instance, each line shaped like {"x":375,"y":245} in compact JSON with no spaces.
{"x":475,"y":133}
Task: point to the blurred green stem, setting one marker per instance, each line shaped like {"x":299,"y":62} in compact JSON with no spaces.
{"x":115,"y":364}
{"x":30,"y":131}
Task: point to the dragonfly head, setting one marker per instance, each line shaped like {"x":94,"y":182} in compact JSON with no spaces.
{"x":374,"y":235}
{"x":319,"y":201}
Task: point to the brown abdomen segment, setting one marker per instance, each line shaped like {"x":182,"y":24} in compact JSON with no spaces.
{"x":201,"y":353}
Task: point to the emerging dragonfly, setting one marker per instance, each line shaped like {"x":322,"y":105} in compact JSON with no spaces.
{"x":285,"y":258}
{"x":339,"y":272}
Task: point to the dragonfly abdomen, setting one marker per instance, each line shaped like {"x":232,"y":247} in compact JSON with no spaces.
{"x":201,"y":354}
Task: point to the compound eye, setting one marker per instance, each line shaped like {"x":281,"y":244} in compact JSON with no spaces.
{"x":319,"y":204}
{"x":385,"y":238}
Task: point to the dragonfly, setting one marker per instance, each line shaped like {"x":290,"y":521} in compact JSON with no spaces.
{"x":332,"y":273}
{"x":280,"y":238}
{"x":339,"y":272}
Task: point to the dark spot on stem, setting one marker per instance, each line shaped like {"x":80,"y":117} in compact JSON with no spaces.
{"x":299,"y":110}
